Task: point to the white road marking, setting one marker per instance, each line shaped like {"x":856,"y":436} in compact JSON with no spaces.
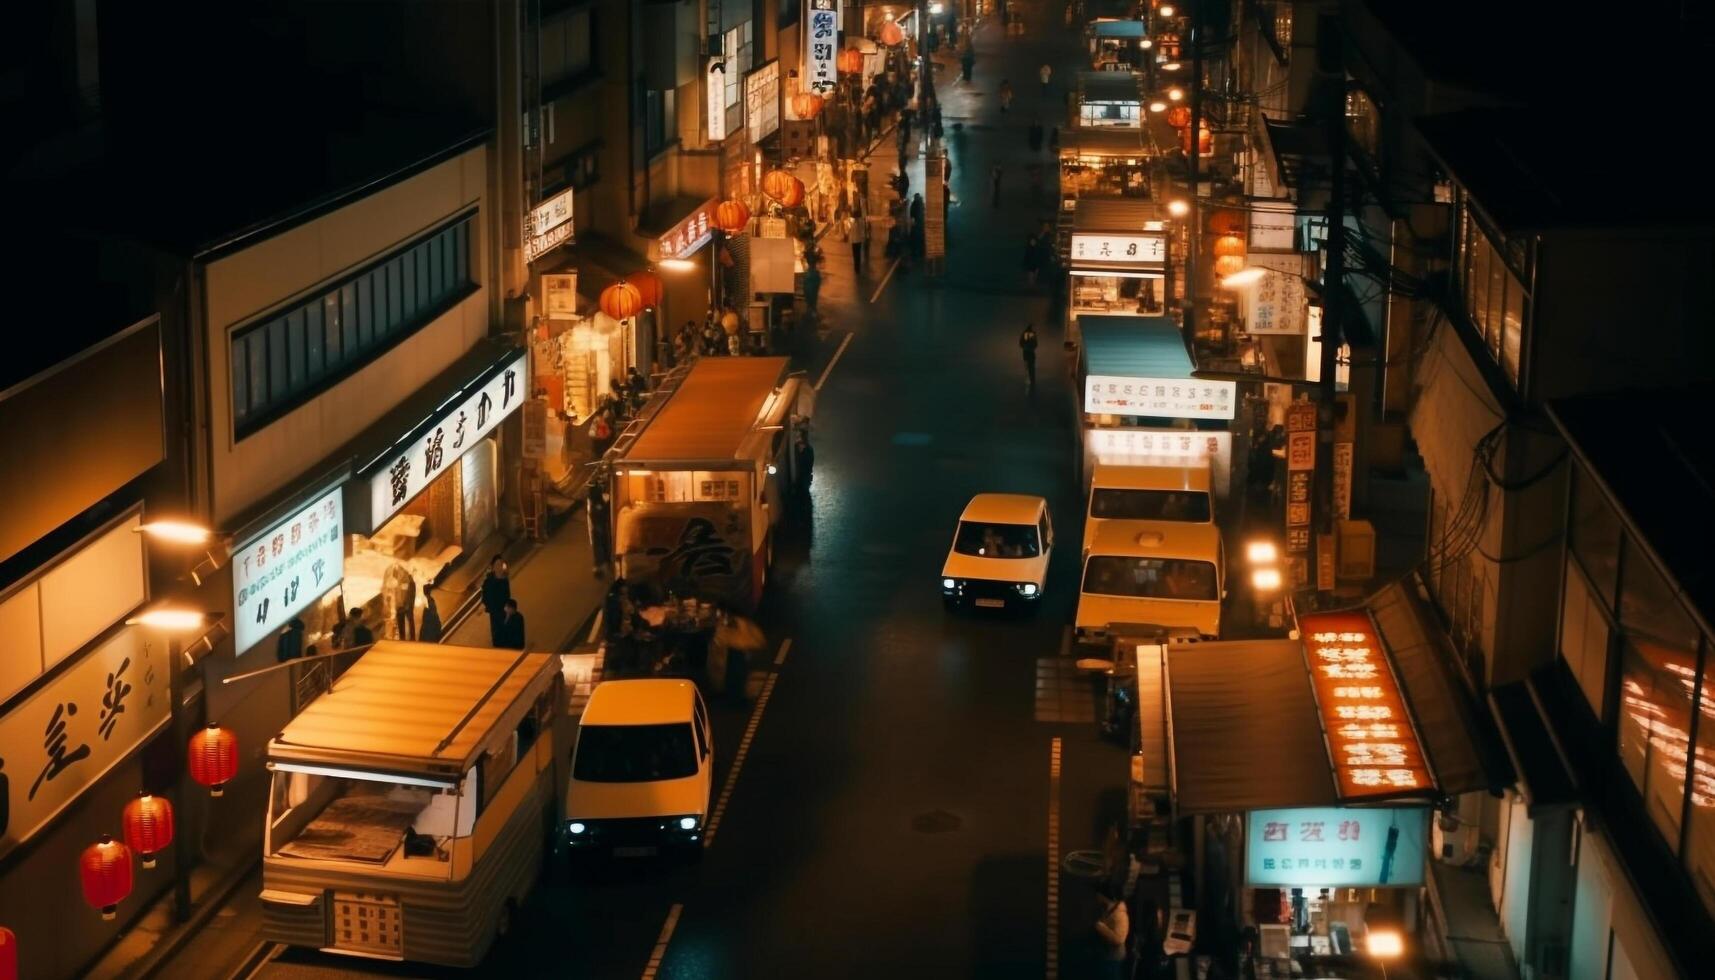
{"x":883,"y":284}
{"x":833,"y":361}
{"x":738,"y":761}
{"x":785,"y":645}
{"x":659,"y":953}
{"x":1053,"y":968}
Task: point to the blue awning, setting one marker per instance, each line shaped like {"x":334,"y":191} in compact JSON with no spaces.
{"x":1117,"y":28}
{"x":1134,"y":347}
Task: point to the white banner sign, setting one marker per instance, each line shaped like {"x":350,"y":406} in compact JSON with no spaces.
{"x":1274,"y":227}
{"x":286,"y":568}
{"x":560,"y":296}
{"x":411,"y":470}
{"x":1167,"y":398}
{"x":1335,"y":847}
{"x":1165,"y":447}
{"x":69,"y":733}
{"x":1146,"y":250}
{"x":762,"y":101}
{"x":1276,"y":305}
{"x":821,"y":44}
{"x":549,"y":224}
{"x":714,"y":87}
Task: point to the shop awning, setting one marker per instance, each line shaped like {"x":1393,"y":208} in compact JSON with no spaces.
{"x":1134,"y":347}
{"x":1245,"y":733}
{"x":1115,"y":214}
{"x":1117,"y":28}
{"x":1543,"y":778}
{"x":1110,"y":87}
{"x":1103,"y":141}
{"x":713,"y":411}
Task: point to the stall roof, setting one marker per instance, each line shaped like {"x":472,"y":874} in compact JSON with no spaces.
{"x":1115,"y":214}
{"x":1117,"y":28}
{"x":712,"y":412}
{"x":1103,"y":141}
{"x":1110,"y":86}
{"x":1134,"y":347}
{"x":401,"y":701}
{"x":1245,"y":733}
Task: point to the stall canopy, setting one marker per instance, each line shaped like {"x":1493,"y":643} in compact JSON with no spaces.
{"x":1110,"y":87}
{"x":1115,"y":214}
{"x":1134,"y":347}
{"x":1244,"y":728}
{"x":1117,"y":28}
{"x":685,"y":428}
{"x":1102,"y":142}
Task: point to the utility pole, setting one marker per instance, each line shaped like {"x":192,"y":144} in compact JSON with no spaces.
{"x":1333,"y":279}
{"x":1194,"y":217}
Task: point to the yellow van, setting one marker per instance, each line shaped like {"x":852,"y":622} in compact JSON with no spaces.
{"x":1164,"y":494}
{"x":1155,"y":573}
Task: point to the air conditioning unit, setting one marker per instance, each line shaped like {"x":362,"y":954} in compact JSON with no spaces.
{"x":1454,"y":841}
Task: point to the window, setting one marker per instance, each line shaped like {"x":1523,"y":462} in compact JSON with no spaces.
{"x":1493,"y":289}
{"x":1363,"y":122}
{"x":584,"y":168}
{"x":1700,"y":829}
{"x":660,"y":121}
{"x":997,"y":540}
{"x":283,"y":361}
{"x":1150,"y":505}
{"x":1584,"y":633}
{"x":1594,"y":535}
{"x":566,"y":48}
{"x":1151,"y":578}
{"x":739,"y":52}
{"x":1654,"y":727}
{"x":635,"y":753}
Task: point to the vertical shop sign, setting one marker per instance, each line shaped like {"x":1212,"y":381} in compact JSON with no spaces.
{"x":762,"y":101}
{"x":548,"y":224}
{"x":820,"y":45}
{"x":714,"y":88}
{"x":1300,"y":467}
{"x":278,"y":573}
{"x":535,"y":428}
{"x":1372,"y":742}
{"x":1343,"y":480}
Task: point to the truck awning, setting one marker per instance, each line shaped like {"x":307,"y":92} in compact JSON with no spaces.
{"x":714,"y":410}
{"x":1134,"y":347}
{"x":1110,"y":87}
{"x":1117,"y":28}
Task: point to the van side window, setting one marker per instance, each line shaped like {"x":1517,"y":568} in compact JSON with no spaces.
{"x":1042,"y":525}
{"x":701,"y":727}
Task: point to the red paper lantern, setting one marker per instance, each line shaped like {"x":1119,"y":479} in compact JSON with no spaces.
{"x":148,"y":823}
{"x":106,"y":872}
{"x":1205,"y":141}
{"x":1226,"y":265}
{"x":649,"y":286}
{"x":891,"y":34}
{"x":621,"y":300}
{"x":213,"y":758}
{"x":8,"y":954}
{"x":807,"y":105}
{"x":783,"y":187}
{"x":1224,"y":221}
{"x":731,"y":217}
{"x":1179,"y":117}
{"x":850,"y":61}
{"x":1230,"y":245}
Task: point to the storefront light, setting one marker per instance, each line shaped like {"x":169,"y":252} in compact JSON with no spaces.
{"x":676,"y":265}
{"x":1167,"y":10}
{"x":935,"y":9}
{"x":1175,"y":94}
{"x":1178,"y":209}
{"x":172,"y":619}
{"x":1261,"y":553}
{"x":1158,"y":106}
{"x":1170,"y":66}
{"x":1385,"y":944}
{"x":1145,"y":44}
{"x":177,"y":532}
{"x":1244,"y":277}
{"x":1265,"y":579}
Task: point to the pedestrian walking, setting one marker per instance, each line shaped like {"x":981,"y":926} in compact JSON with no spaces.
{"x":1027,"y":348}
{"x":511,"y":634}
{"x":968,"y":60}
{"x":496,"y":592}
{"x":918,"y":231}
{"x":1005,"y":95}
{"x":431,"y":628}
{"x":857,"y":233}
{"x":1032,"y":263}
{"x":598,"y":513}
{"x":401,"y":591}
{"x":1046,"y":72}
{"x":803,"y":461}
{"x":812,"y":282}
{"x":1035,"y":136}
{"x":601,"y":435}
{"x":994,"y":186}
{"x":637,"y":384}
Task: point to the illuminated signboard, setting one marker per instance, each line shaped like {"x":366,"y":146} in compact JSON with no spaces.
{"x":691,"y":233}
{"x":1335,"y":847}
{"x":278,"y":573}
{"x":1122,"y":249}
{"x":1162,"y":398}
{"x":821,"y":41}
{"x":1370,"y":736}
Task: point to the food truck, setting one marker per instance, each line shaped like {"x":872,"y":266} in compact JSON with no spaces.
{"x":1108,"y":100}
{"x":411,"y":802}
{"x":1115,"y":44}
{"x":698,"y":480}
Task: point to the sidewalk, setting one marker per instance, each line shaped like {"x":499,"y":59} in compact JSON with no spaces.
{"x":556,"y":592}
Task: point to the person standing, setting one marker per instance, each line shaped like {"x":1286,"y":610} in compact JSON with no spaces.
{"x":1114,"y":927}
{"x":812,"y":283}
{"x":803,"y":461}
{"x":361,"y":634}
{"x":496,"y":592}
{"x":431,"y":629}
{"x":968,"y":60}
{"x":290,"y":644}
{"x":1005,"y":95}
{"x":1027,"y":348}
{"x":919,"y":233}
{"x":511,"y":627}
{"x":994,"y":186}
{"x":1046,"y":72}
{"x":857,"y":233}
{"x":601,"y":535}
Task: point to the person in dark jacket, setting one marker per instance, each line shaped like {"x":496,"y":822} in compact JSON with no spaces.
{"x":1027,"y":347}
{"x":361,"y":634}
{"x":597,"y":512}
{"x":290,"y":645}
{"x":430,"y":631}
{"x":496,"y":591}
{"x":803,"y":460}
{"x":511,"y":627}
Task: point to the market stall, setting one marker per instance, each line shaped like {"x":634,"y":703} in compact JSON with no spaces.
{"x":1115,"y":44}
{"x":1098,"y":161}
{"x":1116,"y":258}
{"x":1109,"y":99}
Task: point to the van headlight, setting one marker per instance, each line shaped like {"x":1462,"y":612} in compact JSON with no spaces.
{"x":1027,"y":589}
{"x":949,"y":585}
{"x":575,"y":827}
{"x":687,"y":823}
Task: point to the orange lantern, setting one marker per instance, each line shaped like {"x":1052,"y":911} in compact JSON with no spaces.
{"x":105,"y":868}
{"x":8,"y":954}
{"x":621,"y":300}
{"x":729,"y":323}
{"x":784,"y":188}
{"x":148,"y":823}
{"x":649,"y":286}
{"x":1230,"y":245}
{"x":1179,"y":116}
{"x":850,"y":61}
{"x":1205,"y":141}
{"x":807,"y":105}
{"x":1225,"y":221}
{"x":891,"y":34}
{"x":1226,"y":265}
{"x":731,"y":217}
{"x":213,"y":758}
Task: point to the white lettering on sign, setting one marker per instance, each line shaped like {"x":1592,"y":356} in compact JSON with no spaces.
{"x":1165,"y":447}
{"x":549,"y":224}
{"x":1335,"y":847}
{"x":1120,"y":249}
{"x":284,"y":569}
{"x":714,"y":88}
{"x":71,"y":732}
{"x":1167,"y":398}
{"x":762,"y":101}
{"x":821,"y":44}
{"x":688,"y":235}
{"x":406,"y":471}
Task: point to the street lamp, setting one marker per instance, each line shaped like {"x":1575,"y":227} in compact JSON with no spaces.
{"x":1178,"y":208}
{"x":177,"y":532}
{"x":1175,"y":94}
{"x":1158,"y":106}
{"x":1248,"y":276}
{"x":676,"y":265}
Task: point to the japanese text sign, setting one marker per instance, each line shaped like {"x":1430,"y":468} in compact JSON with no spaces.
{"x":762,"y":101}
{"x":1335,"y":847}
{"x":408,"y":469}
{"x":690,"y":234}
{"x":71,"y":732}
{"x":549,"y":224}
{"x":1370,"y":735}
{"x":1165,"y":447}
{"x":1139,"y":250}
{"x":1167,"y":398}
{"x":714,"y":91}
{"x":821,"y":44}
{"x":287,"y":567}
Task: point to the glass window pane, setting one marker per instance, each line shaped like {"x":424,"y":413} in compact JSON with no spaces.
{"x":425,"y":275}
{"x":1512,"y":328}
{"x":258,"y":370}
{"x":449,"y":256}
{"x":407,"y":287}
{"x":1648,"y":605}
{"x":295,"y":349}
{"x":461,"y":264}
{"x":435,"y":251}
{"x":1497,"y":295}
{"x":365,"y":315}
{"x":1655,"y":720}
{"x":240,"y":379}
{"x":340,"y":347}
{"x":315,"y":332}
{"x":395,"y":298}
{"x":1700,"y":834}
{"x":1584,"y":638}
{"x":1477,"y":287}
{"x":1595,"y":535}
{"x":277,"y":386}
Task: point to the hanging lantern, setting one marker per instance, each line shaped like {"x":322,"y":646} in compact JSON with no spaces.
{"x":1224,"y":221}
{"x":621,"y":300}
{"x":784,"y":188}
{"x":729,"y":323}
{"x":731,"y":217}
{"x":8,"y":954}
{"x":1205,"y":141}
{"x":1230,"y":245}
{"x":148,"y":823}
{"x":214,"y":758}
{"x":1226,"y":265}
{"x":1179,"y":116}
{"x":106,"y":872}
{"x":649,"y":286}
{"x":891,"y":34}
{"x":807,"y":105}
{"x":850,"y":61}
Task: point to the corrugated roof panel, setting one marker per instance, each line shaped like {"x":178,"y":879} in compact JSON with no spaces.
{"x":1134,"y":347}
{"x":1115,"y":214}
{"x":713,"y":410}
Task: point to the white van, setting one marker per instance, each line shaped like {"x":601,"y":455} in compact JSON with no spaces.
{"x":642,"y":770}
{"x":1156,"y":573}
{"x":1167,"y":494}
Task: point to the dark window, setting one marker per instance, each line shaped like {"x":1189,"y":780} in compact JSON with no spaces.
{"x":1595,"y":535}
{"x":567,"y":51}
{"x":1150,"y":505}
{"x":660,"y":122}
{"x":635,"y":753}
{"x":997,"y":540}
{"x":1151,"y":578}
{"x":282,"y":362}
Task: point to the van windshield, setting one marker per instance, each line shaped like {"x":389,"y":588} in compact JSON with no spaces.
{"x":1150,"y":505}
{"x":635,"y":753}
{"x":1151,"y":578}
{"x":997,"y":540}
